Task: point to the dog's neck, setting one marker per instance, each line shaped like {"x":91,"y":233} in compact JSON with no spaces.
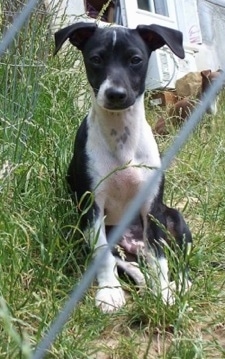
{"x":122,"y":132}
{"x":109,"y":120}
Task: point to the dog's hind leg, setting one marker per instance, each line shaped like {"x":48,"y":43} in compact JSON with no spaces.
{"x":154,"y":237}
{"x":181,"y":244}
{"x":133,"y":271}
{"x":159,"y":273}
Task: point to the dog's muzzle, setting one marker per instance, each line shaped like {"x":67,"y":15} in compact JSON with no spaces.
{"x":117,"y":98}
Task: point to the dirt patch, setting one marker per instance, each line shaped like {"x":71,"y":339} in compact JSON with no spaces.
{"x":142,"y":346}
{"x":156,"y":346}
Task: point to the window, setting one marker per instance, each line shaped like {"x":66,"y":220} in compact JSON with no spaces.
{"x":156,"y":6}
{"x":135,"y":12}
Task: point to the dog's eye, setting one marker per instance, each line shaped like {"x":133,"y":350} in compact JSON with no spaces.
{"x":135,"y":60}
{"x":96,"y":60}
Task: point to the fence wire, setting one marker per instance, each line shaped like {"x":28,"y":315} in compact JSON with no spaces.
{"x":17,"y":25}
{"x":179,"y":141}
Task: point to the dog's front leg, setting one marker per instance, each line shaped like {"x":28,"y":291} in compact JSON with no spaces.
{"x":109,"y":296}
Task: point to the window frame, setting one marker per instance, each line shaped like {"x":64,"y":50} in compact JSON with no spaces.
{"x":132,"y":15}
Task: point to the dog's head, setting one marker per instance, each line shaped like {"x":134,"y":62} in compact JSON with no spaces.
{"x":116,"y":58}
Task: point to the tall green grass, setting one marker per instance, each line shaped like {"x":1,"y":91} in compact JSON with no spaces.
{"x":41,"y":249}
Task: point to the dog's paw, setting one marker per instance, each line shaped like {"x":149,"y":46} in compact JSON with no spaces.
{"x":109,"y":299}
{"x":183,"y":287}
{"x":168,"y":295}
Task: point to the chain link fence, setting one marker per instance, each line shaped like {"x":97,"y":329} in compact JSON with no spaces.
{"x":24,"y":49}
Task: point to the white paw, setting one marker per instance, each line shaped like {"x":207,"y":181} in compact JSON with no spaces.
{"x":183,"y":287}
{"x":168,"y":295}
{"x":110,"y":299}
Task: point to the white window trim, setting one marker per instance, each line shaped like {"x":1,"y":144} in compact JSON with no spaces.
{"x":133,"y":16}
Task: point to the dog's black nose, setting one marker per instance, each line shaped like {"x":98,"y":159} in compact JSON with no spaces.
{"x":116,"y":95}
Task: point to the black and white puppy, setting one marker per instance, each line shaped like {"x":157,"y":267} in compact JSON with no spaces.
{"x":115,"y":152}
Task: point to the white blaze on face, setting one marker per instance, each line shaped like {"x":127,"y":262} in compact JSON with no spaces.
{"x":114,"y":37}
{"x":101,"y":93}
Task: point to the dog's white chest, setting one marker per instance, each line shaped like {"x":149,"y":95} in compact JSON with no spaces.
{"x":122,"y":152}
{"x":116,"y":181}
{"x":119,"y":189}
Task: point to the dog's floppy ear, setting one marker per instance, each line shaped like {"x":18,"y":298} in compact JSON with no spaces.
{"x":155,"y":36}
{"x":77,"y":33}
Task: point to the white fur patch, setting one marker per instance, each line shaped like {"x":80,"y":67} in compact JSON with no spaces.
{"x":101,"y":92}
{"x":121,"y":154}
{"x":119,"y":167}
{"x":167,"y":292}
{"x":114,"y":37}
{"x":110,"y":299}
{"x":110,"y":295}
{"x":133,"y":270}
{"x":101,"y":98}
